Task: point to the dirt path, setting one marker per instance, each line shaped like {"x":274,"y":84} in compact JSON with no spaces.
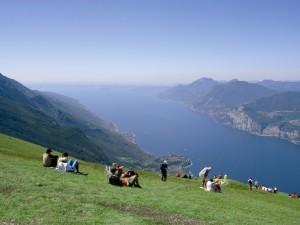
{"x":155,"y":215}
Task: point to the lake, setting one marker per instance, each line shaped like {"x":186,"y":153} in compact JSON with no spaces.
{"x":164,"y":127}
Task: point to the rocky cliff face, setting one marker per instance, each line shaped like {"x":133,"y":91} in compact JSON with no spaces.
{"x":275,"y":131}
{"x":239,"y":119}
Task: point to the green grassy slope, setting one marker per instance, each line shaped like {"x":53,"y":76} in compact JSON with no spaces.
{"x":31,"y":194}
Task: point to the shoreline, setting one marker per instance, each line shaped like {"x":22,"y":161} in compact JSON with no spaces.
{"x":216,"y":119}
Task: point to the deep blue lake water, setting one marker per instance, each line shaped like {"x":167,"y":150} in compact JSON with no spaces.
{"x":163,"y":127}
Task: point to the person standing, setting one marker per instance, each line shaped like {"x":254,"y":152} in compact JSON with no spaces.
{"x":204,"y":174}
{"x":164,"y":170}
{"x":250,"y":183}
{"x":256,"y":184}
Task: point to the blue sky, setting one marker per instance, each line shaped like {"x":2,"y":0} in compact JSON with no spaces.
{"x":149,"y":41}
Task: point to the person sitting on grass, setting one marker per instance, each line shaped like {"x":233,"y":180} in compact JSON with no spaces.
{"x":49,"y":160}
{"x":115,"y":174}
{"x":220,"y":179}
{"x":213,"y":186}
{"x":185,"y":176}
{"x":68,"y":165}
{"x":130,"y":178}
{"x":294,"y":195}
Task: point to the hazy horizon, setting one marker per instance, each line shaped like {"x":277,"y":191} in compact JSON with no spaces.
{"x":149,"y":42}
{"x":91,"y":83}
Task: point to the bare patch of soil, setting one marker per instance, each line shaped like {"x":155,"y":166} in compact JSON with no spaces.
{"x":155,"y":215}
{"x":7,"y":189}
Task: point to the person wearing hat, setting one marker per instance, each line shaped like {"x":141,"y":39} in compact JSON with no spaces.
{"x":49,"y":160}
{"x":164,"y":170}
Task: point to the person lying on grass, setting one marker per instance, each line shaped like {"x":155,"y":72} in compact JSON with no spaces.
{"x":130,"y":178}
{"x":49,"y":160}
{"x":268,"y":189}
{"x":213,"y":186}
{"x":68,"y":165}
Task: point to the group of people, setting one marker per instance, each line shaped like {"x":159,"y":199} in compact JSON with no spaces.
{"x":62,"y":163}
{"x":130,"y":178}
{"x":212,"y":184}
{"x":258,"y":186}
{"x":117,"y":177}
{"x":115,"y":173}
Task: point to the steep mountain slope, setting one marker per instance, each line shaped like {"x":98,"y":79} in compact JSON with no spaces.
{"x":116,"y":145}
{"x":20,"y":116}
{"x":74,"y":107}
{"x":59,"y":122}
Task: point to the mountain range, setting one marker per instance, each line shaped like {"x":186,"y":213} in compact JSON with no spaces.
{"x":269,"y":108}
{"x":62,"y":123}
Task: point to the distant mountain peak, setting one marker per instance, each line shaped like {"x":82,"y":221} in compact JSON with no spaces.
{"x":203,"y":81}
{"x":235,"y":80}
{"x":2,"y":76}
{"x":211,"y":94}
